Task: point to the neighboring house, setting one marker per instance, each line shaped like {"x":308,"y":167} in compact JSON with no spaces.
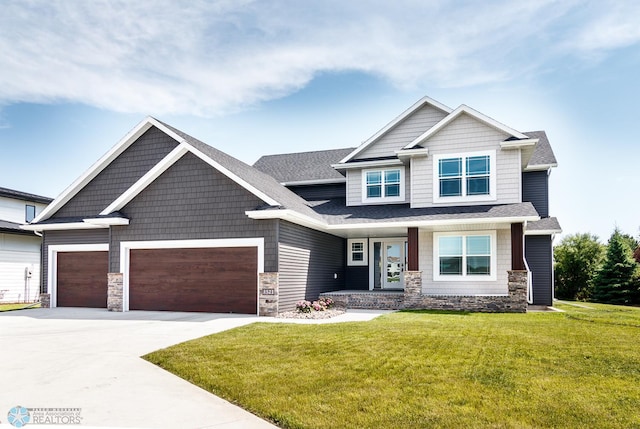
{"x":20,"y":250}
{"x":441,"y":208}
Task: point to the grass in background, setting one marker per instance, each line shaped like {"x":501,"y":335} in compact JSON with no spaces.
{"x":21,"y":306}
{"x":580,"y":368}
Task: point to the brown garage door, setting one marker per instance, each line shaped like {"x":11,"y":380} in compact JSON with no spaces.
{"x":215,"y":280}
{"x":82,"y":279}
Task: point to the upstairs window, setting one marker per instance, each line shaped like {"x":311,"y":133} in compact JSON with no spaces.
{"x":465,"y":177}
{"x":30,"y":213}
{"x":383,"y":185}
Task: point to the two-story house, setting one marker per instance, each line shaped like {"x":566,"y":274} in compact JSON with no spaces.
{"x":19,"y":249}
{"x":441,"y":208}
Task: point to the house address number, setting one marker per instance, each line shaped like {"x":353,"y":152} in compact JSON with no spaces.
{"x":268,"y":291}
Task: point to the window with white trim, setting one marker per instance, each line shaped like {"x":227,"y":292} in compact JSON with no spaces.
{"x":357,"y":252}
{"x":464,"y":177}
{"x":464,"y":256}
{"x":29,"y":213}
{"x":382,"y":185}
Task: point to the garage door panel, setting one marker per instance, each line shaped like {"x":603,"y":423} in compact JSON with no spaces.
{"x":204,"y":279}
{"x":82,"y":279}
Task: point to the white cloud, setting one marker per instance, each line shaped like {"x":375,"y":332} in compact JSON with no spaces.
{"x":205,"y":58}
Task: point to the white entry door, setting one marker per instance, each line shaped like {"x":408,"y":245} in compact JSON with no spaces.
{"x":393,"y":263}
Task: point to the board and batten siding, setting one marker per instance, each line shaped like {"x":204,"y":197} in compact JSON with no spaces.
{"x":461,"y":288}
{"x":191,"y":201}
{"x":403,"y":133}
{"x":118,"y":176}
{"x":354,"y":187}
{"x":466,"y":134}
{"x":308,"y":262}
{"x":535,"y":189}
{"x":538,"y":251}
{"x":18,"y":252}
{"x":84,"y":236}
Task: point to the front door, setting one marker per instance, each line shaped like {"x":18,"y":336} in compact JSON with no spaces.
{"x":393,"y":265}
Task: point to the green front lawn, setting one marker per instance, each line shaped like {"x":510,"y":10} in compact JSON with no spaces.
{"x":580,"y":368}
{"x":9,"y":307}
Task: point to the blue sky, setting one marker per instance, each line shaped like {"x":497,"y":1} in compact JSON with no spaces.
{"x":254,"y":78}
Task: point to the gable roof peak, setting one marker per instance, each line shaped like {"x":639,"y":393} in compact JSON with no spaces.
{"x":408,"y":112}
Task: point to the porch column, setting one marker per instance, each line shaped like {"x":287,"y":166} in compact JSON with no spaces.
{"x":412,"y":249}
{"x":517,"y":247}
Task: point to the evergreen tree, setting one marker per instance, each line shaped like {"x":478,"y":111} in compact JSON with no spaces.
{"x":616,"y":282}
{"x":578,"y":258}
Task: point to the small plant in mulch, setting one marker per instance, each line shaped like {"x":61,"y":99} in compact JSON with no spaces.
{"x":321,"y":304}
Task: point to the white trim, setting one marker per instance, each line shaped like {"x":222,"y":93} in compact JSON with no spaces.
{"x":314,"y":182}
{"x":540,"y":167}
{"x":66,"y":195}
{"x":543,"y":232}
{"x":471,"y":112}
{"x":52,"y":264}
{"x":365,"y":248}
{"x":383,"y":199}
{"x":127,"y":246}
{"x":366,"y":164}
{"x":412,"y":153}
{"x":151,"y":175}
{"x":62,"y":226}
{"x":107,"y":221}
{"x":464,"y":277}
{"x":493,"y":174}
{"x":264,"y":197}
{"x":416,"y":106}
{"x":299,"y":219}
{"x":518,"y":144}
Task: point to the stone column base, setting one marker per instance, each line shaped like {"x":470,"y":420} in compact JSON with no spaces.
{"x":268,"y":288}
{"x":45,"y":300}
{"x":114,"y":292}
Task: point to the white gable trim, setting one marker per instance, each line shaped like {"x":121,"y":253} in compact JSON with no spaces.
{"x":164,"y":165}
{"x":258,"y":193}
{"x":147,"y":179}
{"x":471,"y":112}
{"x":420,"y":103}
{"x":102,"y":163}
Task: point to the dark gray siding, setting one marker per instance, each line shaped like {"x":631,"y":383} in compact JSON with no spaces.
{"x":308,"y":261}
{"x":123,"y":172}
{"x":86,"y":236}
{"x":535,"y":189}
{"x":192,"y":200}
{"x":539,"y":254}
{"x":357,"y":278}
{"x":320,"y":192}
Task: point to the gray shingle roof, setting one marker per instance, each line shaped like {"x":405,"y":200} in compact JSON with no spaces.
{"x":303,"y":166}
{"x":335,"y":212}
{"x":546,"y":224}
{"x":542,"y":154}
{"x":13,"y":228}
{"x":24,"y":196}
{"x":256,"y":178}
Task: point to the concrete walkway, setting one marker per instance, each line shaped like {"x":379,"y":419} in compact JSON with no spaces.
{"x":89,"y":359}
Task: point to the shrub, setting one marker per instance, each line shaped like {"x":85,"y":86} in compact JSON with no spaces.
{"x":320,"y":305}
{"x":303,"y":306}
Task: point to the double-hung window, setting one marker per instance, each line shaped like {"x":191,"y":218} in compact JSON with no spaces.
{"x":464,"y":177}
{"x":357,"y":251}
{"x":465,"y":256}
{"x":383,"y":185}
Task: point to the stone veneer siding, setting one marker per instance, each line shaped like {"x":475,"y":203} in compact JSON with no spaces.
{"x":268,"y":294}
{"x":114,"y":292}
{"x":45,"y":300}
{"x":413,"y":298}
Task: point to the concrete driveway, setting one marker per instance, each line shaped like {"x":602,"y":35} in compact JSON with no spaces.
{"x":89,"y":359}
